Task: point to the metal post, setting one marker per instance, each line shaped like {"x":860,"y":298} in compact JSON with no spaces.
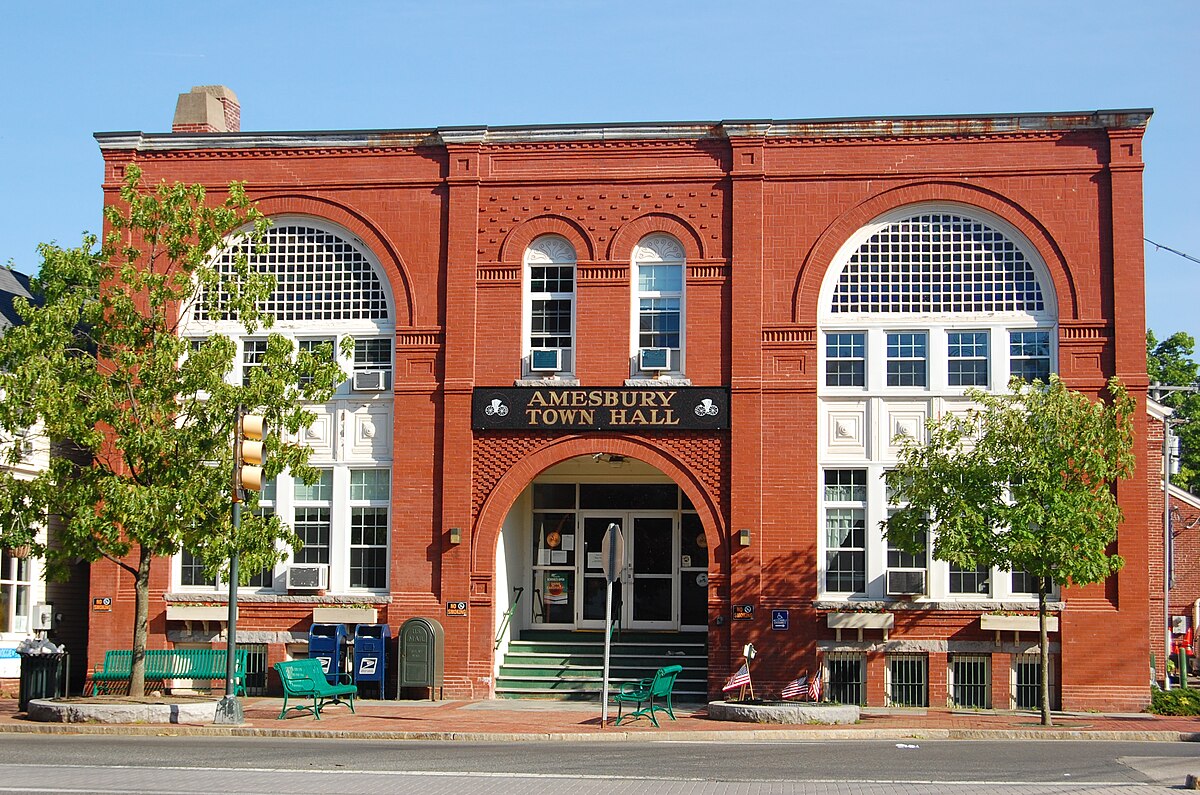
{"x":229,"y":709}
{"x":607,"y":645}
{"x":1166,"y":550}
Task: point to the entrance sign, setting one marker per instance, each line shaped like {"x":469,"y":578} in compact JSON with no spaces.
{"x":607,"y":408}
{"x":779,"y":619}
{"x":612,"y":553}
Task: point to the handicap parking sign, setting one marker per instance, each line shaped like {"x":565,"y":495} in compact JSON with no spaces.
{"x":779,"y":619}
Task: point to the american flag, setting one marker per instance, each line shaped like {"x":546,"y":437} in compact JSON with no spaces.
{"x":740,"y":678}
{"x":814,"y":688}
{"x":797,"y":687}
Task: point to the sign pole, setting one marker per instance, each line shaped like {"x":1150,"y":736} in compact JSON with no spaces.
{"x":612,"y":556}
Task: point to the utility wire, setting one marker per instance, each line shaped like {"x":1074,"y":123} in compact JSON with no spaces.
{"x":1173,"y":251}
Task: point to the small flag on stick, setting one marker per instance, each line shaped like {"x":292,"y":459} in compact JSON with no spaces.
{"x":797,"y":687}
{"x":814,"y":688}
{"x":740,"y":678}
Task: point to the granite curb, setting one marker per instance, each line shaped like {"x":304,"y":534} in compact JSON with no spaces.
{"x":772,"y":735}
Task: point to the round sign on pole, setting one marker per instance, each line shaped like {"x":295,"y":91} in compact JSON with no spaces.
{"x":612,"y":552}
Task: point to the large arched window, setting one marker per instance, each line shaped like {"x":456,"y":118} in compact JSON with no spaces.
{"x":328,"y":287}
{"x":917,"y":307}
{"x":659,"y":309}
{"x":549,"y":317}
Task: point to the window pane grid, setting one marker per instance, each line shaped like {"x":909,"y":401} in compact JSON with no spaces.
{"x":970,"y":581}
{"x":971,"y":681}
{"x":845,"y":530}
{"x":1027,"y":681}
{"x":906,"y":358}
{"x":368,"y":547}
{"x":908,"y":680}
{"x":1029,"y":355}
{"x":318,"y":276}
{"x":968,"y":358}
{"x":845,"y":359}
{"x":937,"y":262}
{"x":846,"y":678}
{"x":372,"y":354}
{"x":312,"y":526}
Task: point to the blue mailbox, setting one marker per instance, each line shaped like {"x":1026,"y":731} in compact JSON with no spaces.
{"x":370,"y":654}
{"x":327,"y":643}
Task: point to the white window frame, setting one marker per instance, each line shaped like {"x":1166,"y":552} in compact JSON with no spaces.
{"x":658,"y":249}
{"x":868,"y":416}
{"x":859,"y":507}
{"x":17,"y":577}
{"x":548,"y":251}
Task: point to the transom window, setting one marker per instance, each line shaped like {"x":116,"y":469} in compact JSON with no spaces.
{"x":937,"y":262}
{"x":318,"y":276}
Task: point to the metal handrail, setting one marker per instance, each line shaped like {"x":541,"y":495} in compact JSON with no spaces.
{"x":508,"y":617}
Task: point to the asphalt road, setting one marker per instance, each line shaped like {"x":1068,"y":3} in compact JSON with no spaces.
{"x":231,"y":766}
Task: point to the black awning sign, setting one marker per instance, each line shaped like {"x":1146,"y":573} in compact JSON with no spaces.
{"x":603,"y":408}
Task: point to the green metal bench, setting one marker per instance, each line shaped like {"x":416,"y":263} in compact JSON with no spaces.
{"x":305,"y":679}
{"x":655,"y":693}
{"x":165,"y":664}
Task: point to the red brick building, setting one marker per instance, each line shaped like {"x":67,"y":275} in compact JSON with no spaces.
{"x":706,"y":333}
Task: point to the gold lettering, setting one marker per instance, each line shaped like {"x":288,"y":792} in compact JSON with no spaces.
{"x":578,"y":399}
{"x":629,"y":399}
{"x":537,"y":399}
{"x":649,"y":398}
{"x":558,"y":398}
{"x":638,"y":418}
{"x":534,"y":416}
{"x":610,"y":398}
{"x":617,"y":416}
{"x":667,"y":397}
{"x":595,"y":398}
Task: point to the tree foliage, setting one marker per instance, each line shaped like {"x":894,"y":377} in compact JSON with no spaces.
{"x":1022,"y":481}
{"x":1170,"y":363}
{"x":99,"y":362}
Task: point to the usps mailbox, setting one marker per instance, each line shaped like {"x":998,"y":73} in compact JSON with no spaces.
{"x":370,"y":654}
{"x":422,"y":656}
{"x":327,"y":643}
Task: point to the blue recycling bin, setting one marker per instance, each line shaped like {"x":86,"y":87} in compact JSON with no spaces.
{"x":370,"y":654}
{"x":327,"y":643}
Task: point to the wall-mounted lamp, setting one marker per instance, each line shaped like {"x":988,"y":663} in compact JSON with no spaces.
{"x":455,"y":535}
{"x":744,"y":537}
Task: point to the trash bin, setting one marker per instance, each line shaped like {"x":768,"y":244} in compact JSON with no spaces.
{"x":327,"y":643}
{"x":42,"y":676}
{"x":370,"y":654}
{"x":422,"y":656}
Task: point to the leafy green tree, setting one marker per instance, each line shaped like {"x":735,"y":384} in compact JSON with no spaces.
{"x":147,"y":415}
{"x":1023,"y":482}
{"x":1170,"y":363}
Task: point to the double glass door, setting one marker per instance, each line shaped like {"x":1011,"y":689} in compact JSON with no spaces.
{"x":646,"y":594}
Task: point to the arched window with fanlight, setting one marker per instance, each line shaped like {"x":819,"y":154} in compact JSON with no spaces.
{"x":917,"y":307}
{"x":549,"y":317}
{"x":659,"y":308}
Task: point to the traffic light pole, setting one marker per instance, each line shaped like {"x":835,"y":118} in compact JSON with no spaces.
{"x":229,"y":708}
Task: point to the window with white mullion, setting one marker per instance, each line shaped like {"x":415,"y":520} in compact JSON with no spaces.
{"x":907,"y":359}
{"x":312,"y":509}
{"x":846,"y":359}
{"x":253,"y":351}
{"x":967,"y":358}
{"x":845,"y":512}
{"x":659,"y":272}
{"x":549,"y":316}
{"x":370,"y":524}
{"x":16,"y":585}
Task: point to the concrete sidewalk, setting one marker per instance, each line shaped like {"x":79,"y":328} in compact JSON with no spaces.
{"x":530,"y":720}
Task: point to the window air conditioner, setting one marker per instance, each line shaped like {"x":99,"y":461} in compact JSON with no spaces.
{"x":906,"y":582}
{"x":307,"y":577}
{"x":545,"y":360}
{"x":369,"y":381}
{"x":654,"y":359}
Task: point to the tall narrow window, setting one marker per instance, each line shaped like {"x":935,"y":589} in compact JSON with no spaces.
{"x":659,"y":305}
{"x":845,"y":530}
{"x":15,"y":584}
{"x":312,"y":519}
{"x":550,"y":313}
{"x":370,"y":490}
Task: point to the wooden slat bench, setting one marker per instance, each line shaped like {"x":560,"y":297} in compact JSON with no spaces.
{"x":305,"y":679}
{"x":167,"y":664}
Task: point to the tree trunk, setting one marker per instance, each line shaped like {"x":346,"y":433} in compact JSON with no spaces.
{"x":141,"y":616}
{"x":1043,"y":654}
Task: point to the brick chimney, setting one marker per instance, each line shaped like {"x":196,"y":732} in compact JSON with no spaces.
{"x":207,"y":109}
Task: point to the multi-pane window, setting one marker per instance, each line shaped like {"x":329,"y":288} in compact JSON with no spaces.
{"x":659,"y":266}
{"x":314,"y":346}
{"x":370,"y":491}
{"x":845,"y":530}
{"x":311,"y":522}
{"x":967,"y":358}
{"x":935,"y":263}
{"x":1029,"y":355}
{"x":15,"y":587}
{"x":907,"y":358}
{"x":908,"y":680}
{"x":372,"y":354}
{"x":971,"y":681}
{"x":1027,"y":681}
{"x":1025,"y":583}
{"x":976,"y":581}
{"x":846,"y":359}
{"x":550,"y":263}
{"x":253,"y":352}
{"x":319,"y":276}
{"x":846,"y":677}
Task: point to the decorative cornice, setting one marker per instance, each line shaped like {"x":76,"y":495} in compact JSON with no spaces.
{"x":419,"y":338}
{"x":788,"y":335}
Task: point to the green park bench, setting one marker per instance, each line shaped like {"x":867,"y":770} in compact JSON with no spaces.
{"x":305,"y":679}
{"x":167,"y":664}
{"x":655,"y":693}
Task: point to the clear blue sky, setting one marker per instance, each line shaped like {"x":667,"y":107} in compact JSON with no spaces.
{"x":74,"y":68}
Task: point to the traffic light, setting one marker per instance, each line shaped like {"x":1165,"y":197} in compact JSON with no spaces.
{"x":249,"y":454}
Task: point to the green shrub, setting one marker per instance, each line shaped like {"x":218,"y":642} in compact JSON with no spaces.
{"x":1180,"y":701}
